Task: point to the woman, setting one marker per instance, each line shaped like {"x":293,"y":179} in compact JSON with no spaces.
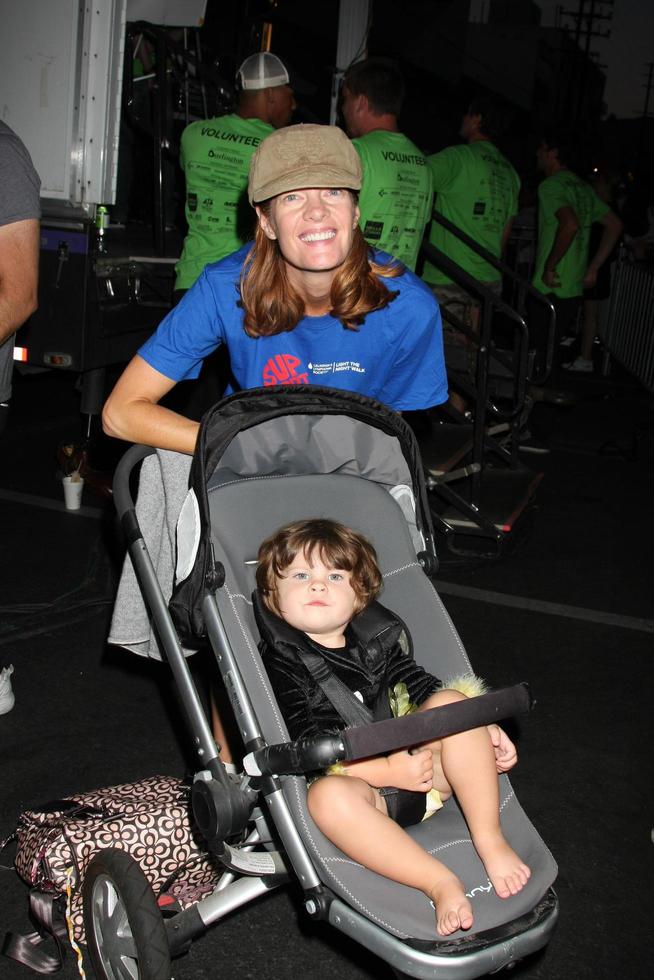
{"x":307,"y":303}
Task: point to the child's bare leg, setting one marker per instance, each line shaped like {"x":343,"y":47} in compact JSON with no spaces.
{"x":353,"y":815}
{"x":219,"y":732}
{"x":465,"y":764}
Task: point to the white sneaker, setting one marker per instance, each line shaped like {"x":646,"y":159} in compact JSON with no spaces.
{"x":7,"y":699}
{"x":568,"y":341}
{"x":579,"y":364}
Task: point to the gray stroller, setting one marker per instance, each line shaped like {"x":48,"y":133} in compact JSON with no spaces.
{"x":266,"y":457}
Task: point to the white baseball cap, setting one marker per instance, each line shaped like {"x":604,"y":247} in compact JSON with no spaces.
{"x":262,"y":70}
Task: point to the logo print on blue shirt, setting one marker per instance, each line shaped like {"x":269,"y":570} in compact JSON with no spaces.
{"x":282,"y":370}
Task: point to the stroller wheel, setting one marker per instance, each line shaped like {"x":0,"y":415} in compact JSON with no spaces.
{"x":125,"y":931}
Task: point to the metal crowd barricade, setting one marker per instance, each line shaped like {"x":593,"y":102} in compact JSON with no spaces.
{"x":628,"y":334}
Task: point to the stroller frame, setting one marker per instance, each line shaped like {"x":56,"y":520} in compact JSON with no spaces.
{"x":224,"y":808}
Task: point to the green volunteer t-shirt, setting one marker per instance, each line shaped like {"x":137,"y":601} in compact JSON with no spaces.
{"x":476,"y":188}
{"x":215,"y":155}
{"x":565,"y":189}
{"x":396,"y":194}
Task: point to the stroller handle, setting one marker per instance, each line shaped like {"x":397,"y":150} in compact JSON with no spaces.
{"x":295,"y":758}
{"x":310,"y":754}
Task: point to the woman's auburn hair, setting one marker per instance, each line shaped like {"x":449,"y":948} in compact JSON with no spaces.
{"x":273,"y":306}
{"x":336,"y":545}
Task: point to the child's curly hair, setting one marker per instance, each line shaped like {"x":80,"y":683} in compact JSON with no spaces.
{"x":336,"y":545}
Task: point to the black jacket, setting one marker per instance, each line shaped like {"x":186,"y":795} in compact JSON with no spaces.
{"x":376,"y":658}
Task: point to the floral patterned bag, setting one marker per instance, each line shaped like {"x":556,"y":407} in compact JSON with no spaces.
{"x":149,"y":819}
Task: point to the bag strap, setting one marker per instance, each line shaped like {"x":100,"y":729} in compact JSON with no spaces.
{"x":24,"y":948}
{"x":348,"y":706}
{"x":70,"y":810}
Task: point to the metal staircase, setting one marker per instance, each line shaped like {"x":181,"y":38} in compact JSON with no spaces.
{"x":479,"y":487}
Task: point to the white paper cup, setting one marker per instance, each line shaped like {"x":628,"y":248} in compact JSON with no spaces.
{"x":73,"y":493}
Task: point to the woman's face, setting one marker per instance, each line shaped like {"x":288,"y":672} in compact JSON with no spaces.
{"x":313,"y":226}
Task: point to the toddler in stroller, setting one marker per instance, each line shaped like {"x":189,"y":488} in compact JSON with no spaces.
{"x":318,"y":581}
{"x":263,"y":458}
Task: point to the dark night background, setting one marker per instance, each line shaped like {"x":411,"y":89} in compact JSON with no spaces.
{"x":542,"y":71}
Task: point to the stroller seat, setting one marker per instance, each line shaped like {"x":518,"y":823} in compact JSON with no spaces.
{"x":250,"y":510}
{"x":263,"y":459}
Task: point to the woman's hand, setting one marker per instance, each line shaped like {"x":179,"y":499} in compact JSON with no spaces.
{"x":506,"y":754}
{"x":411,"y":770}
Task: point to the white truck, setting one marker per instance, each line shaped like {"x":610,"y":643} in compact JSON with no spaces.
{"x":101,"y":292}
{"x":66,"y":88}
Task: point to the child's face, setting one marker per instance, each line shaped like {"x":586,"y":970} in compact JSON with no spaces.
{"x":316,"y":598}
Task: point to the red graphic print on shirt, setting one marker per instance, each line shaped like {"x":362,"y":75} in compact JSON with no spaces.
{"x":282,"y":370}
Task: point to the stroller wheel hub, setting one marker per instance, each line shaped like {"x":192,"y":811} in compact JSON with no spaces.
{"x":221,"y":809}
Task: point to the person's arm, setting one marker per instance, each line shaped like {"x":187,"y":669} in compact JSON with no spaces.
{"x":610,"y":234}
{"x":506,"y":234}
{"x":132,"y":411}
{"x":568,"y":227}
{"x":19,"y":274}
{"x":402,"y":669}
{"x":512,"y":212}
{"x":443,"y":166}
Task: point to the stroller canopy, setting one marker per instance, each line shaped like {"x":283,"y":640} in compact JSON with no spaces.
{"x":264,"y":434}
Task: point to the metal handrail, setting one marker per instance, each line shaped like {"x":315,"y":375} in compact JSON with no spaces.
{"x":489,"y":299}
{"x":486,"y":353}
{"x":524,"y":286}
{"x":483,"y":341}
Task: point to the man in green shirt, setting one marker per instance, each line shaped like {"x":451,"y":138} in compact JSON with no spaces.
{"x":476,"y":188}
{"x":396,"y":194}
{"x":215,"y":155}
{"x":567,"y":208}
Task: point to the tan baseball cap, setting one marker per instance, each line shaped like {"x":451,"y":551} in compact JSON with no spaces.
{"x":306,"y":155}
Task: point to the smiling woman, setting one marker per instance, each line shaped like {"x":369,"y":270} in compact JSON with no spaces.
{"x":307,"y":302}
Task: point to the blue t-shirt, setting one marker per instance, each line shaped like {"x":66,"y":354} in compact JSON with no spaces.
{"x":396,"y":355}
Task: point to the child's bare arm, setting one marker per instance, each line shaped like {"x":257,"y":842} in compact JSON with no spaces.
{"x":400,"y":769}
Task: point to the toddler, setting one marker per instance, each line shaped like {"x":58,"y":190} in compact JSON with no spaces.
{"x":317,"y":582}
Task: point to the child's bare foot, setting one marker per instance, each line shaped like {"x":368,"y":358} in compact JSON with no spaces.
{"x":507,"y":872}
{"x":453,"y":910}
